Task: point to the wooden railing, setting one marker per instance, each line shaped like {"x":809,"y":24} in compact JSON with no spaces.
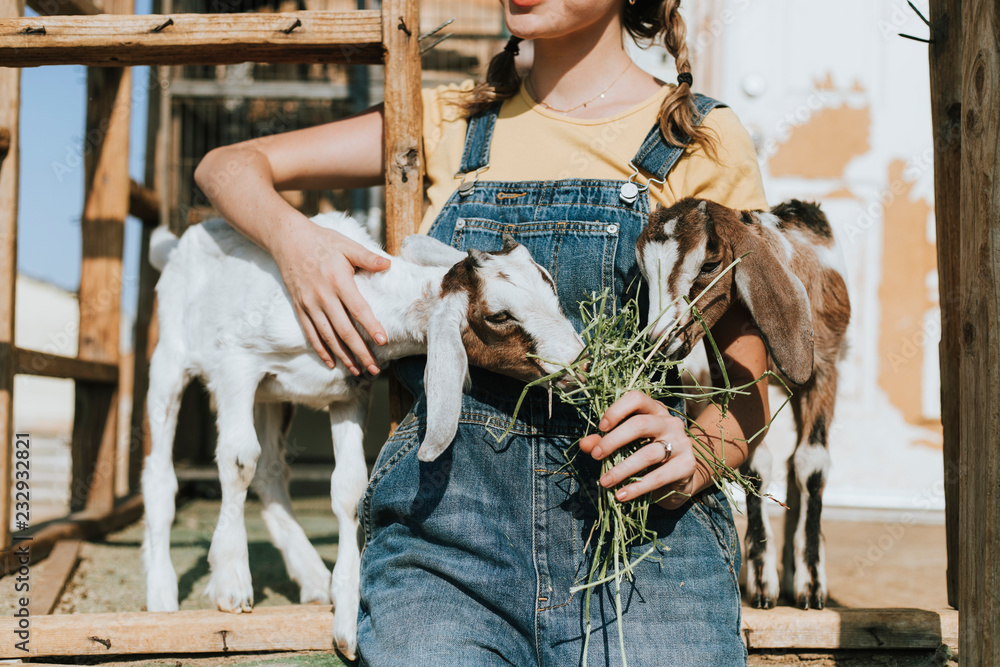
{"x":108,"y":38}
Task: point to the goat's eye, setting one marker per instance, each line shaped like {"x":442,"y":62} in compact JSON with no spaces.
{"x":710,"y":267}
{"x":499,"y":318}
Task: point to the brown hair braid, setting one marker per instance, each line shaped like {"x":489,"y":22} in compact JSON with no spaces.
{"x":502,"y":81}
{"x":647,"y":20}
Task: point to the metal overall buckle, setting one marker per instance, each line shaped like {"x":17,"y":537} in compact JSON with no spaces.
{"x":630,"y":189}
{"x":466,"y":187}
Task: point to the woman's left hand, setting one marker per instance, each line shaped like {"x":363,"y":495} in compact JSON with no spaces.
{"x":636,"y":416}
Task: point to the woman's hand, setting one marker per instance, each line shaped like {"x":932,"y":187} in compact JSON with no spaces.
{"x":636,"y":416}
{"x":318,"y":266}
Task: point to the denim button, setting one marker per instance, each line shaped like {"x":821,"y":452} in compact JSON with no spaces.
{"x":459,"y":223}
{"x":612,"y":229}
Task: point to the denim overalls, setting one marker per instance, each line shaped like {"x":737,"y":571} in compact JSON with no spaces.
{"x":469,"y":559}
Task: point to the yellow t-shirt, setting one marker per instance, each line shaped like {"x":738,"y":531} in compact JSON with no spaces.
{"x":532,"y":143}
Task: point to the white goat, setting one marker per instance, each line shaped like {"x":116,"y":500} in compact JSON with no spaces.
{"x":792,"y":281}
{"x":225,"y":316}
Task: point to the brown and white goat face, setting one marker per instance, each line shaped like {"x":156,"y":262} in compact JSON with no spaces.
{"x":516,"y":326}
{"x":687,"y":246}
{"x":497,"y":311}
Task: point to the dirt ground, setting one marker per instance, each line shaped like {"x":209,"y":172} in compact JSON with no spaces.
{"x":882,"y":560}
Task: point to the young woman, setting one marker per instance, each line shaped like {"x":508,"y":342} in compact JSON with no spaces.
{"x":469,"y":559}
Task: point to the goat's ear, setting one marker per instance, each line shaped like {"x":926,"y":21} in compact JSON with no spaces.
{"x":428,"y":251}
{"x":779,"y":305}
{"x":444,"y":375}
{"x":508,"y":243}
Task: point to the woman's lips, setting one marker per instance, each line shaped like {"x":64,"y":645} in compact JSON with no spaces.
{"x":525,"y":3}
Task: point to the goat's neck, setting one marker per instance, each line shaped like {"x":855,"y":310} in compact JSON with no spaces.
{"x":402,"y":299}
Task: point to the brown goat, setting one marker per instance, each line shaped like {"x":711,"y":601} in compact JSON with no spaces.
{"x":790,"y":279}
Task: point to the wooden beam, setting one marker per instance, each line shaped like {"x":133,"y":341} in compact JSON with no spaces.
{"x":403,"y":122}
{"x":143,"y":204}
{"x":946,"y":112}
{"x":59,"y":567}
{"x":83,"y":525}
{"x":10,"y":105}
{"x":44,"y":364}
{"x":874,"y":629}
{"x":308,"y":627}
{"x":64,"y":7}
{"x":106,"y":205}
{"x":180,"y":39}
{"x":403,"y":148}
{"x":979,"y":583}
{"x":300,"y":90}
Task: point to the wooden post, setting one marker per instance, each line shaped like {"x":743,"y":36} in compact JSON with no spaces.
{"x":404,"y":179}
{"x":10,"y":105}
{"x":106,"y":204}
{"x":979,"y":585}
{"x":946,"y":112}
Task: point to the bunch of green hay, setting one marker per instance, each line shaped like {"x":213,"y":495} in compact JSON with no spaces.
{"x":618,"y":358}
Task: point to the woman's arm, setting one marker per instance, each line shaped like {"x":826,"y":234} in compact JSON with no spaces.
{"x":636,"y":416}
{"x":316,"y":264}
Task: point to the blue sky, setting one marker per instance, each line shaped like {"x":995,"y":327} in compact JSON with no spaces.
{"x":53,"y":107}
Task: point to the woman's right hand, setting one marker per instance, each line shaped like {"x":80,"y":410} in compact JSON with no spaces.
{"x":318,"y":266}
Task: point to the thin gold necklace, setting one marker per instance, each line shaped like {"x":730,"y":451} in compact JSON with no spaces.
{"x":600,"y":95}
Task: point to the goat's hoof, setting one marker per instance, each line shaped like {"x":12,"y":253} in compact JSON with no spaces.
{"x":348,"y":646}
{"x":345,"y":631}
{"x":234,"y":605}
{"x":231,"y":589}
{"x":348,"y":651}
{"x":762,"y":601}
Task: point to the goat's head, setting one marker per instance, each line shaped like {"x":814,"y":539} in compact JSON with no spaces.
{"x":685,"y":247}
{"x":495,"y":309}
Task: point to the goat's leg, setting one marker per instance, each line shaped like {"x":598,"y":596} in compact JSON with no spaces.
{"x":347,"y":485}
{"x":168,"y":378}
{"x":230,"y":586}
{"x":762,"y":555}
{"x":808,"y":473}
{"x":303,"y":563}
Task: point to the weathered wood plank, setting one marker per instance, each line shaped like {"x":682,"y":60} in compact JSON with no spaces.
{"x":403,"y":122}
{"x":180,"y":39}
{"x":10,"y":104}
{"x":33,"y":362}
{"x":59,"y":568}
{"x":106,"y":205}
{"x":946,"y":112}
{"x":64,"y":7}
{"x":882,"y":629}
{"x":979,"y":580}
{"x":403,"y":147}
{"x":310,"y":628}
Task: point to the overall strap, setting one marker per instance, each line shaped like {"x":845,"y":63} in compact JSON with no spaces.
{"x":478,"y":136}
{"x":656,"y":156}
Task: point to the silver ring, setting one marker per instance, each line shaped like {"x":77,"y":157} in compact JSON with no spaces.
{"x":668,"y":450}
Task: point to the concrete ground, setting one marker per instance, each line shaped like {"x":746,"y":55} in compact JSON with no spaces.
{"x":873,"y":560}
